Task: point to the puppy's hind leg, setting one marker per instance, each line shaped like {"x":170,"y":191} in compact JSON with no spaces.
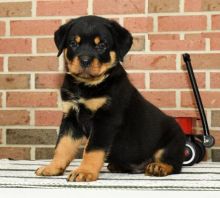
{"x":169,"y":159}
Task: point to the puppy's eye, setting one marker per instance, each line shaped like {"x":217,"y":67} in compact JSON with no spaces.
{"x":73,"y":44}
{"x":101,"y":46}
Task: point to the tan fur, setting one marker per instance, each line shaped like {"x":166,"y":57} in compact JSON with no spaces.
{"x":77,"y":39}
{"x":73,"y":65}
{"x":96,"y":69}
{"x":91,"y":81}
{"x":64,"y":154}
{"x":158,"y":169}
{"x":158,"y":155}
{"x":67,"y":105}
{"x":89,"y":168}
{"x":97,"y":40}
{"x":94,"y":104}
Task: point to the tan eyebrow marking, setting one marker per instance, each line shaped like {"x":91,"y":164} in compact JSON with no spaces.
{"x":78,"y":39}
{"x":97,"y":40}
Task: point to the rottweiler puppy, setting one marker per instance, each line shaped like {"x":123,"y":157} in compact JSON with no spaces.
{"x":101,"y":105}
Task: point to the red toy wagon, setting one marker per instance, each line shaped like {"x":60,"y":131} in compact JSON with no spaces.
{"x":195,"y":144}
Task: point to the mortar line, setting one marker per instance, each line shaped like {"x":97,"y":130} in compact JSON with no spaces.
{"x":32,"y":152}
{"x":34,"y":8}
{"x":34,"y":46}
{"x":181,"y":6}
{"x":90,"y":7}
{"x":146,"y":7}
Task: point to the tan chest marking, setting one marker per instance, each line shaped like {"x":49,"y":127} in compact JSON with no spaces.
{"x":93,"y":104}
{"x":67,"y":105}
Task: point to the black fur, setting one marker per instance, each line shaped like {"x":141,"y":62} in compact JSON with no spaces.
{"x":128,"y":128}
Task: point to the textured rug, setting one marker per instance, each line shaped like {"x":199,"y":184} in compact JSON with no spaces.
{"x":204,"y":176}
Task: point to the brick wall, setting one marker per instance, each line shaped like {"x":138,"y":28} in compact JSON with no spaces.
{"x":30,"y":72}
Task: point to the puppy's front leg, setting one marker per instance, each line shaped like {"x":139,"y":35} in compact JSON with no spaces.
{"x":98,"y":144}
{"x":89,"y":168}
{"x":65,"y":151}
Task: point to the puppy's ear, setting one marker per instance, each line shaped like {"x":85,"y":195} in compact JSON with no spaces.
{"x":123,"y":39}
{"x":60,"y":36}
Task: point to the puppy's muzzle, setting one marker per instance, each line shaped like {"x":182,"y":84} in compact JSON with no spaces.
{"x":85,"y":60}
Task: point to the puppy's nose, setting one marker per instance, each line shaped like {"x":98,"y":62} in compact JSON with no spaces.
{"x":85,"y":60}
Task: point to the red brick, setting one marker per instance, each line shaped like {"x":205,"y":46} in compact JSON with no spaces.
{"x":15,"y":153}
{"x":163,"y":36}
{"x":193,"y":5}
{"x":14,"y":117}
{"x":169,"y":80}
{"x":182,"y":113}
{"x":159,"y":6}
{"x":195,"y":36}
{"x":182,"y":23}
{"x":214,"y":80}
{"x":216,"y":22}
{"x":46,"y":45}
{"x":210,"y":99}
{"x":48,"y":118}
{"x":137,"y":79}
{"x":16,"y":46}
{"x":31,"y":136}
{"x":118,"y":7}
{"x":33,"y":63}
{"x":177,"y":45}
{"x":213,"y":5}
{"x":204,"y":61}
{"x":215,"y":121}
{"x":139,"y":24}
{"x":215,"y":44}
{"x":0,"y":99}
{"x":210,"y":35}
{"x":34,"y":27}
{"x":32,"y":99}
{"x":138,"y":43}
{"x":14,"y":81}
{"x":160,"y":98}
{"x":149,"y":62}
{"x":2,"y":28}
{"x":50,"y":81}
{"x":0,"y":136}
{"x":13,"y":9}
{"x":1,"y":63}
{"x":62,"y":8}
{"x":44,"y":153}
{"x":216,"y":135}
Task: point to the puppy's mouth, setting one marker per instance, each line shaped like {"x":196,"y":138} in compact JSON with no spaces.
{"x":86,"y":73}
{"x":94,"y":70}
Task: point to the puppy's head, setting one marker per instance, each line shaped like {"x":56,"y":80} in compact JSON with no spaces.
{"x":92,"y":45}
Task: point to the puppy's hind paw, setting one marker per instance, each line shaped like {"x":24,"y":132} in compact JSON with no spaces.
{"x":158,"y":169}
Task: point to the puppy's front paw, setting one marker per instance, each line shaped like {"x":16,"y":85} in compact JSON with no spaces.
{"x":81,"y":175}
{"x":158,"y":169}
{"x":49,"y":171}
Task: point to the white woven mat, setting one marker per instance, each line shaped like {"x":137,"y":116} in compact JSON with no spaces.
{"x":204,"y":176}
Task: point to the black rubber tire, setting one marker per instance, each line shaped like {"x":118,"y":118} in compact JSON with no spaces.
{"x":201,"y":149}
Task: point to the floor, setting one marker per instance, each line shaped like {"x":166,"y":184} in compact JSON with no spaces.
{"x":204,"y":176}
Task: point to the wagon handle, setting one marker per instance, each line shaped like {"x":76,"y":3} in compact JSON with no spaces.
{"x":208,"y":140}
